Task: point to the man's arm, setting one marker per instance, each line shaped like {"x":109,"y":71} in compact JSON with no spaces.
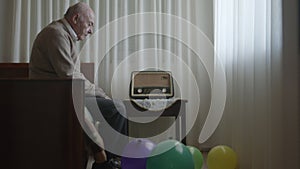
{"x":90,"y":88}
{"x":61,"y":53}
{"x":66,"y":62}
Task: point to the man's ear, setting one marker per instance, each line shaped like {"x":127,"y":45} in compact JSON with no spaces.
{"x":75,"y":18}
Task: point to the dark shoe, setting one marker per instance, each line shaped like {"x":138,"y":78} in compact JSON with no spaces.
{"x":110,"y":164}
{"x":115,"y":162}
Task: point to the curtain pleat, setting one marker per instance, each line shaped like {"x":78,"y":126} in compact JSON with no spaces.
{"x":16,"y":32}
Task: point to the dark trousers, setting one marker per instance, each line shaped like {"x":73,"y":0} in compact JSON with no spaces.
{"x":113,"y":112}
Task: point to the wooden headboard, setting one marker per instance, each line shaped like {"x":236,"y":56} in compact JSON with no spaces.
{"x":21,"y":70}
{"x":39,"y":123}
{"x":14,"y":70}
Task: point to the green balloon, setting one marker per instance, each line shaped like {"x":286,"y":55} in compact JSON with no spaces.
{"x":170,"y":154}
{"x":197,"y":156}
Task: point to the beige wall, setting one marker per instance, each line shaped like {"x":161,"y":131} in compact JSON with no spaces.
{"x":291,"y":113}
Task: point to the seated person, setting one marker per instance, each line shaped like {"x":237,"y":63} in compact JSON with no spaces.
{"x":54,"y":55}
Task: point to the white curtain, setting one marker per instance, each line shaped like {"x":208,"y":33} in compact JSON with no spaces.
{"x":247,"y":38}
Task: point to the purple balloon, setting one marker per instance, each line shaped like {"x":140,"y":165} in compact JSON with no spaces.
{"x":135,"y":154}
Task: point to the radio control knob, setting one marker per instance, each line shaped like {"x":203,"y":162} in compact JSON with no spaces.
{"x":139,"y":90}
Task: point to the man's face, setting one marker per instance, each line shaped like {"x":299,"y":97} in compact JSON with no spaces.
{"x":84,"y":25}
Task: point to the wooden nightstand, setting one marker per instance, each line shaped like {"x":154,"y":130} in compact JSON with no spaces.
{"x":176,"y":111}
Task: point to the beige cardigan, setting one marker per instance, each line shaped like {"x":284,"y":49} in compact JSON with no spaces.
{"x":54,"y":55}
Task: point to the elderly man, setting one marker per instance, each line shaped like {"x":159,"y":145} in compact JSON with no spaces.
{"x":54,"y":55}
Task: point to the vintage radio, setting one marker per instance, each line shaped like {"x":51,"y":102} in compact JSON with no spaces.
{"x":151,"y":84}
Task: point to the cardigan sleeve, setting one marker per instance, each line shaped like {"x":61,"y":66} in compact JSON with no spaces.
{"x":90,"y":88}
{"x":59,"y":50}
{"x":66,"y":62}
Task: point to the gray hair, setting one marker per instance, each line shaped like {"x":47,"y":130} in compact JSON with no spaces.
{"x":79,"y":7}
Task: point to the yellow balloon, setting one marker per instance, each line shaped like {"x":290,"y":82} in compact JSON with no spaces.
{"x":221,"y":157}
